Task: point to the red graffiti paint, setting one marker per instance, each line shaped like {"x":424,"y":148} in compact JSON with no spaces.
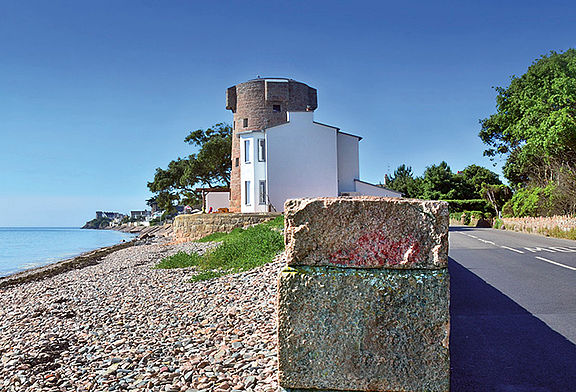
{"x":375,"y":249}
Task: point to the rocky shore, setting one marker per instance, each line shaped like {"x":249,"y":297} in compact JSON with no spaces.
{"x":117,"y":324}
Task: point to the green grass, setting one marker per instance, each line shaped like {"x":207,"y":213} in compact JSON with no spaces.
{"x":558,"y":233}
{"x":240,"y":250}
{"x":179,"y":260}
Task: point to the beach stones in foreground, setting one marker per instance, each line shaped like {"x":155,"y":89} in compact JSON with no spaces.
{"x":363,"y":304}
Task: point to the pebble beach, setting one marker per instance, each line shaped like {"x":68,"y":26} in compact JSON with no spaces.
{"x":122,"y":325}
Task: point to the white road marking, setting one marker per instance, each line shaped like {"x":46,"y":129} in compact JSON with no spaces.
{"x":562,"y":249}
{"x":512,"y":249}
{"x":537,"y":249}
{"x":555,"y":263}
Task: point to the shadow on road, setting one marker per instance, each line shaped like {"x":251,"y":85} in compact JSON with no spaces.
{"x":496,"y":345}
{"x":462,"y":228}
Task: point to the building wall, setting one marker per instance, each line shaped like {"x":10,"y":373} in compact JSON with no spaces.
{"x":217,"y":200}
{"x":348,"y":164}
{"x":301,"y":160}
{"x":255,"y":101}
{"x":253,"y":171}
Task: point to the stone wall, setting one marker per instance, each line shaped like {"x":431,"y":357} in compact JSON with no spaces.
{"x":541,"y":225}
{"x":195,"y":226}
{"x":363,"y":304}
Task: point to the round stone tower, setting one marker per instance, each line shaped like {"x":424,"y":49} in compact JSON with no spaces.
{"x":259,"y":104}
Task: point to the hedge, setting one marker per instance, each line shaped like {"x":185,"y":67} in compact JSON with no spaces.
{"x":470,"y":205}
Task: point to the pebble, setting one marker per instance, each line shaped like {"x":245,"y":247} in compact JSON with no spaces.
{"x":121,"y":325}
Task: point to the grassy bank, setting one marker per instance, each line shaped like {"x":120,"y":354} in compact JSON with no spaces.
{"x":240,"y":250}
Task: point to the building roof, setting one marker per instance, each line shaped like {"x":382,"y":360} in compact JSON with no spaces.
{"x":349,"y":134}
{"x":275,"y":79}
{"x":383,"y":187}
{"x":315,"y":122}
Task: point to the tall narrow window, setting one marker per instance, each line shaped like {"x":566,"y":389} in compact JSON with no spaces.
{"x":262,"y":195}
{"x":247,"y":193}
{"x":261,"y":150}
{"x":247,"y":151}
{"x":237,"y":162}
{"x":245,"y":122}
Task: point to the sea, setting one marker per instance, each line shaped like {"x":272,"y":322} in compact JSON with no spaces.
{"x":23,"y":248}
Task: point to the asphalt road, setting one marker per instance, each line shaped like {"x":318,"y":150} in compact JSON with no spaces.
{"x":513,"y":309}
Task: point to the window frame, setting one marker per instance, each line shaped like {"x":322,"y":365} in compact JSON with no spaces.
{"x":245,"y":122}
{"x":247,"y":198}
{"x":262,"y":195}
{"x":247,"y":151}
{"x":261,"y":150}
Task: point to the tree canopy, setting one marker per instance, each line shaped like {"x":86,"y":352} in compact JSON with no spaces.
{"x":403,"y":180}
{"x":534,"y":128}
{"x":209,"y":167}
{"x":440,"y":183}
{"x":535,"y":123}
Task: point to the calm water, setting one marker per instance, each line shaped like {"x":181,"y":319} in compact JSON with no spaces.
{"x":27,"y":247}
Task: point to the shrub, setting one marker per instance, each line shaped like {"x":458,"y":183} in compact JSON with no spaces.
{"x":180,"y":260}
{"x":456,"y":216}
{"x":240,"y":250}
{"x":498,"y":223}
{"x":533,"y":201}
{"x":469,"y":205}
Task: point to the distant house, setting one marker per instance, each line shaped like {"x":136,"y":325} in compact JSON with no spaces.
{"x":139,"y":215}
{"x":114,"y":216}
{"x":215,"y":198}
{"x":279,"y":152}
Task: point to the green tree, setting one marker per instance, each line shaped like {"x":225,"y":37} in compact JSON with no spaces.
{"x":476,"y":176}
{"x":404,"y":181}
{"x":439,"y":183}
{"x":209,"y":167}
{"x":497,"y":195}
{"x":534,"y":126}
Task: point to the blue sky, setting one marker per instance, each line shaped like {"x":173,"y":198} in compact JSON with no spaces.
{"x":94,"y":95}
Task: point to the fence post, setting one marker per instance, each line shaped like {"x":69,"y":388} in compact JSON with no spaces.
{"x":363,"y":304}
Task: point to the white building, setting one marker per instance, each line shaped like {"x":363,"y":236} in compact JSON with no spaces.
{"x":299,"y":158}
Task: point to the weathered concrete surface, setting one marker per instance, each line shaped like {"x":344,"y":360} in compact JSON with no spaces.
{"x":367,"y":232}
{"x":363,"y":329}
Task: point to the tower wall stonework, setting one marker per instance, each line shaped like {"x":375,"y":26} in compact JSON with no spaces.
{"x":255,"y":101}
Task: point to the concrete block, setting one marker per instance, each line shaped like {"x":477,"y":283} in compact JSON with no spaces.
{"x":363,"y":329}
{"x":367,"y":232}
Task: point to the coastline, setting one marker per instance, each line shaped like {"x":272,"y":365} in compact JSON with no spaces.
{"x":85,"y":259}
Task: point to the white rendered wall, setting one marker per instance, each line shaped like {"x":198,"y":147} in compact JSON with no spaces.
{"x":366,"y":189}
{"x":217,"y":200}
{"x":301,"y":160}
{"x":253,"y":171}
{"x":348,"y":166}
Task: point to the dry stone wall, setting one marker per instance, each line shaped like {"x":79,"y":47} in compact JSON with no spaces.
{"x":541,"y":225}
{"x":363,"y":304}
{"x":192,"y":227}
